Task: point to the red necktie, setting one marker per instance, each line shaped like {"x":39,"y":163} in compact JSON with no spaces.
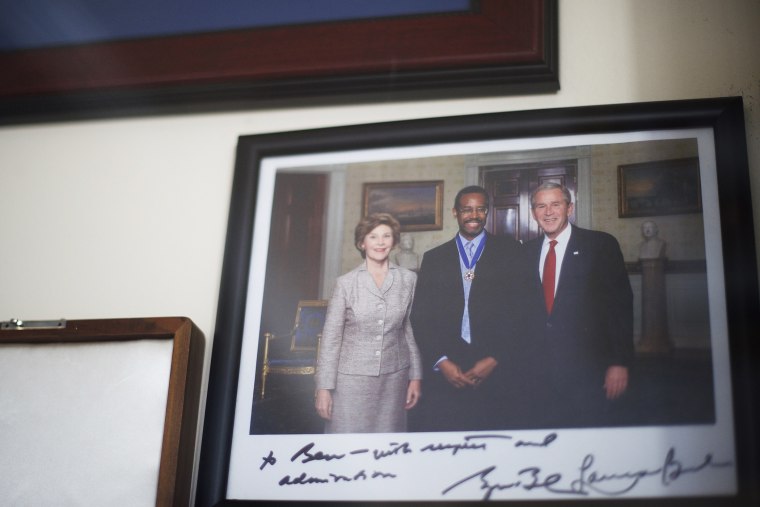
{"x":550,"y":265}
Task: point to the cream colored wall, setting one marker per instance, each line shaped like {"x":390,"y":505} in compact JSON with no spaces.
{"x":124,"y":218}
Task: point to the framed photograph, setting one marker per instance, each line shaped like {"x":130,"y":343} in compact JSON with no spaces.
{"x":504,"y":45}
{"x":689,"y":427}
{"x":663,"y":187}
{"x":417,"y":205}
{"x":102,"y":410}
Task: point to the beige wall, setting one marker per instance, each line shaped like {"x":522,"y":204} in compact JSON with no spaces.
{"x":127,"y":218}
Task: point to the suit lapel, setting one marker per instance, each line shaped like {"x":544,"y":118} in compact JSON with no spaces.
{"x":534,"y":266}
{"x":369,"y":283}
{"x":535,"y":257}
{"x":573,"y":254}
{"x":451,"y":270}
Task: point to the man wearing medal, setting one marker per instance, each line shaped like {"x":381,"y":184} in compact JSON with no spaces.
{"x":457,"y":317}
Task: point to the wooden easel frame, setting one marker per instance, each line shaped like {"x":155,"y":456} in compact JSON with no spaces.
{"x":181,"y":415}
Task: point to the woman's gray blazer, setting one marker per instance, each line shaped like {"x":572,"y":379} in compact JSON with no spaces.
{"x":367,"y":329}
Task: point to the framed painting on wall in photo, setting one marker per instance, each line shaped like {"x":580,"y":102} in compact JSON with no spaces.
{"x":417,"y":205}
{"x":680,"y":435}
{"x":663,"y":187}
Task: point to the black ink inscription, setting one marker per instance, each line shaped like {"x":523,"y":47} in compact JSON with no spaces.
{"x":301,"y":480}
{"x":317,"y":456}
{"x":362,"y":475}
{"x":590,"y":480}
{"x":269,"y":460}
{"x":454,"y":448}
{"x":616,"y":484}
{"x":532,"y":480}
{"x":535,"y":480}
{"x":466,"y":446}
{"x":548,"y":439}
{"x":484,"y":484}
{"x":395,"y":450}
{"x":488,"y":437}
{"x":342,"y":478}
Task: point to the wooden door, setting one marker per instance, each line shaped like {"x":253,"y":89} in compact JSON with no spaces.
{"x":294,"y":259}
{"x":510,"y":187}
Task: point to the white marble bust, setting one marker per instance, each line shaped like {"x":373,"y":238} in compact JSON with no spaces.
{"x":406,"y":256}
{"x":653,"y":247}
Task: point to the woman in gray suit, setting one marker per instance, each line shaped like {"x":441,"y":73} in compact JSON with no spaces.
{"x":369,"y":371}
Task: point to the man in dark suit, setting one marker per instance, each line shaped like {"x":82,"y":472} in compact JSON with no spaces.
{"x":580,"y":343}
{"x":456,"y":317}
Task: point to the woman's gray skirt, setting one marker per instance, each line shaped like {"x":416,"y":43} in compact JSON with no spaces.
{"x":365,"y":404}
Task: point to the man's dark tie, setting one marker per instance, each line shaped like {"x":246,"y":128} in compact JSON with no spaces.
{"x":550,"y":265}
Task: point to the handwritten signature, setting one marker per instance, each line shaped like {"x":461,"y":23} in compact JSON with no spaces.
{"x":589,"y":479}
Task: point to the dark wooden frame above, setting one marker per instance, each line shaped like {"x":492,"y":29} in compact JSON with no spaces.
{"x":506,"y":46}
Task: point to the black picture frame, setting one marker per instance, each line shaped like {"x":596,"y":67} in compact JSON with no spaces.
{"x":725,"y":116}
{"x":493,"y":47}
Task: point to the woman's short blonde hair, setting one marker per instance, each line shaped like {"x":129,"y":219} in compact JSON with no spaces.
{"x":369,"y":223}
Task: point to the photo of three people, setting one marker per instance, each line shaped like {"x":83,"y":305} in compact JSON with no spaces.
{"x":497,"y":329}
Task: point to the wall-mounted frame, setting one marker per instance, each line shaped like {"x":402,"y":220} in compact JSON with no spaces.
{"x":103,"y":411}
{"x":506,"y":46}
{"x":641,"y":464}
{"x":417,"y":205}
{"x":662,"y":187}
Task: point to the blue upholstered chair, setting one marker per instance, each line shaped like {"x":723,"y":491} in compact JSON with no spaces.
{"x":295,"y":353}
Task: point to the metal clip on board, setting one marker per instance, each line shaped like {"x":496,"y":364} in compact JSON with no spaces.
{"x":20,"y":325}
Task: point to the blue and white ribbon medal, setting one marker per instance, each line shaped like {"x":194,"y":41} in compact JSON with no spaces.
{"x":469,"y":275}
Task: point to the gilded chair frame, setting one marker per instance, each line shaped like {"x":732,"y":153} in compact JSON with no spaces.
{"x":302,"y":340}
